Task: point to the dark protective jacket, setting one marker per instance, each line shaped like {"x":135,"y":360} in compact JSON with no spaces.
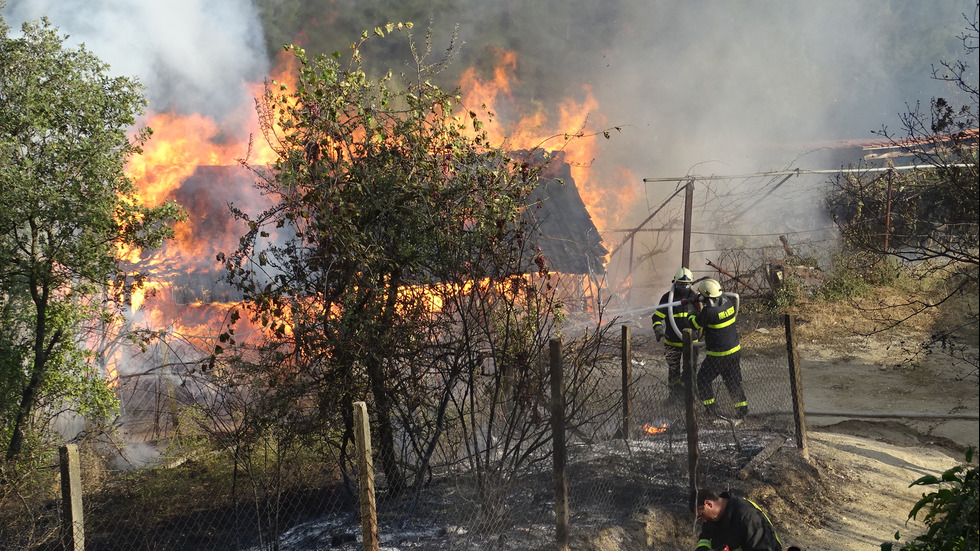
{"x":718,"y":322}
{"x":742,"y":527}
{"x":683,"y":315}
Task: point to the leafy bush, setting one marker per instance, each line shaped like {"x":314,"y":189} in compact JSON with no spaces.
{"x":790,"y":292}
{"x":952,"y":511}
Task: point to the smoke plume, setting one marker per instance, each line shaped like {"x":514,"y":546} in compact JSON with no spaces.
{"x":702,"y":87}
{"x":193,"y":56}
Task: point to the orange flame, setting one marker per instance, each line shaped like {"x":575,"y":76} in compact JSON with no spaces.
{"x":112,"y":376}
{"x":655,"y":429}
{"x":182,"y":144}
{"x":605,"y":196}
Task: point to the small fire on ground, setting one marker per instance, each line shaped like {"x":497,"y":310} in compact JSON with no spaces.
{"x":652,"y":428}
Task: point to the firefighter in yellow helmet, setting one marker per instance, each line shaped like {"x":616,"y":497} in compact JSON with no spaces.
{"x":722,"y":348}
{"x":673,"y":341}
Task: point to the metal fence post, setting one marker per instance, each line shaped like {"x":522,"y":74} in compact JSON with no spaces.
{"x":72,"y":521}
{"x":365,"y":472}
{"x":558,"y":439}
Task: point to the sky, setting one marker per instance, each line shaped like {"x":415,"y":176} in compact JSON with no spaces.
{"x":692,"y":87}
{"x":691,"y":77}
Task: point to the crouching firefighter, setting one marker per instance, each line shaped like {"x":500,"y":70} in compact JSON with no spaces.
{"x":672,"y":333}
{"x":731,"y":523}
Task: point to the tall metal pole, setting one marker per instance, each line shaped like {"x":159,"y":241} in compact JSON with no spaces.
{"x":627,"y":365}
{"x":688,"y":209}
{"x":888,"y":209}
{"x":629,"y":290}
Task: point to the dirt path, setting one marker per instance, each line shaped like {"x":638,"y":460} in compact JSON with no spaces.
{"x":853,"y":492}
{"x":867,"y":464}
{"x":874,"y":497}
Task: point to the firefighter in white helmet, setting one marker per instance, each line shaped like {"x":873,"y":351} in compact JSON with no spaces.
{"x":683,"y":316}
{"x":722,"y":349}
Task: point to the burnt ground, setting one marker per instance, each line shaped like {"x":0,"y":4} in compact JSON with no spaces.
{"x":851,"y":490}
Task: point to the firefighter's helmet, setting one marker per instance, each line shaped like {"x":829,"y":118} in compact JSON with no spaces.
{"x":710,"y":288}
{"x":683,"y":276}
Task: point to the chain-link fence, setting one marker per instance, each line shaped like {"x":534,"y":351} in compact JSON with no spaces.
{"x":487,"y":482}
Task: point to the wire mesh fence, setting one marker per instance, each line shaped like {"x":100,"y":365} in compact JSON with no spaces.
{"x":488,"y":481}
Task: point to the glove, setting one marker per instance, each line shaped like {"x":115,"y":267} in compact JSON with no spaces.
{"x":658,"y":330}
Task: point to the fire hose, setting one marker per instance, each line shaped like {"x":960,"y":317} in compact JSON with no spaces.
{"x":669,"y":305}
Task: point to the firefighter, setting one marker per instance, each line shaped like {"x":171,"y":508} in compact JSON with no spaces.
{"x":722,"y":349}
{"x":663,"y":329}
{"x":729,"y":523}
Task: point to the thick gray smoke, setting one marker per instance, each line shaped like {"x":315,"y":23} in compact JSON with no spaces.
{"x":751,"y":85}
{"x":702,"y":87}
{"x":745,"y":85}
{"x":193,"y":56}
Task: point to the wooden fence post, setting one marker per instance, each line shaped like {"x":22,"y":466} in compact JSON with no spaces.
{"x":796,"y":384}
{"x":558,"y":441}
{"x":687,"y":375}
{"x":365,"y":475}
{"x":627,"y":354}
{"x":72,"y":521}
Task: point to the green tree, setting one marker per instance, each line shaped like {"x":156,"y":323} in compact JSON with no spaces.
{"x":925,"y":221}
{"x":390,"y":208}
{"x":66,"y":207}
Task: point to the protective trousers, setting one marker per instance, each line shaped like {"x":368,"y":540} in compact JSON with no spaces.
{"x":674,"y":356}
{"x":730,"y":369}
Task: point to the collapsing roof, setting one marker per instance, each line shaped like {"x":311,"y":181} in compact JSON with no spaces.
{"x":567,"y":235}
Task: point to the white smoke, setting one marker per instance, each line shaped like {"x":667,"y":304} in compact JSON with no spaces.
{"x":728,"y":81}
{"x":193,"y":56}
{"x":728,"y":88}
{"x":706,"y":87}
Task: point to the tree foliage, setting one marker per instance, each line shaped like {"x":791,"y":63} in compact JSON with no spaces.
{"x":397,"y":266}
{"x":925,"y":220}
{"x":66,"y":207}
{"x":390,"y":206}
{"x":952,"y":511}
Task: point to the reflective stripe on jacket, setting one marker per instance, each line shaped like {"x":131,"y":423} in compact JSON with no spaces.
{"x":718,"y":322}
{"x":683,"y":316}
{"x":743,"y":526}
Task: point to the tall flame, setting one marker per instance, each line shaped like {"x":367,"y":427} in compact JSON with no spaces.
{"x":175,"y":162}
{"x":578,"y":119}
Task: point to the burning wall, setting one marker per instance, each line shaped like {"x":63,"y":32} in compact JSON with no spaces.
{"x":569,"y":237}
{"x":188,"y":266}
